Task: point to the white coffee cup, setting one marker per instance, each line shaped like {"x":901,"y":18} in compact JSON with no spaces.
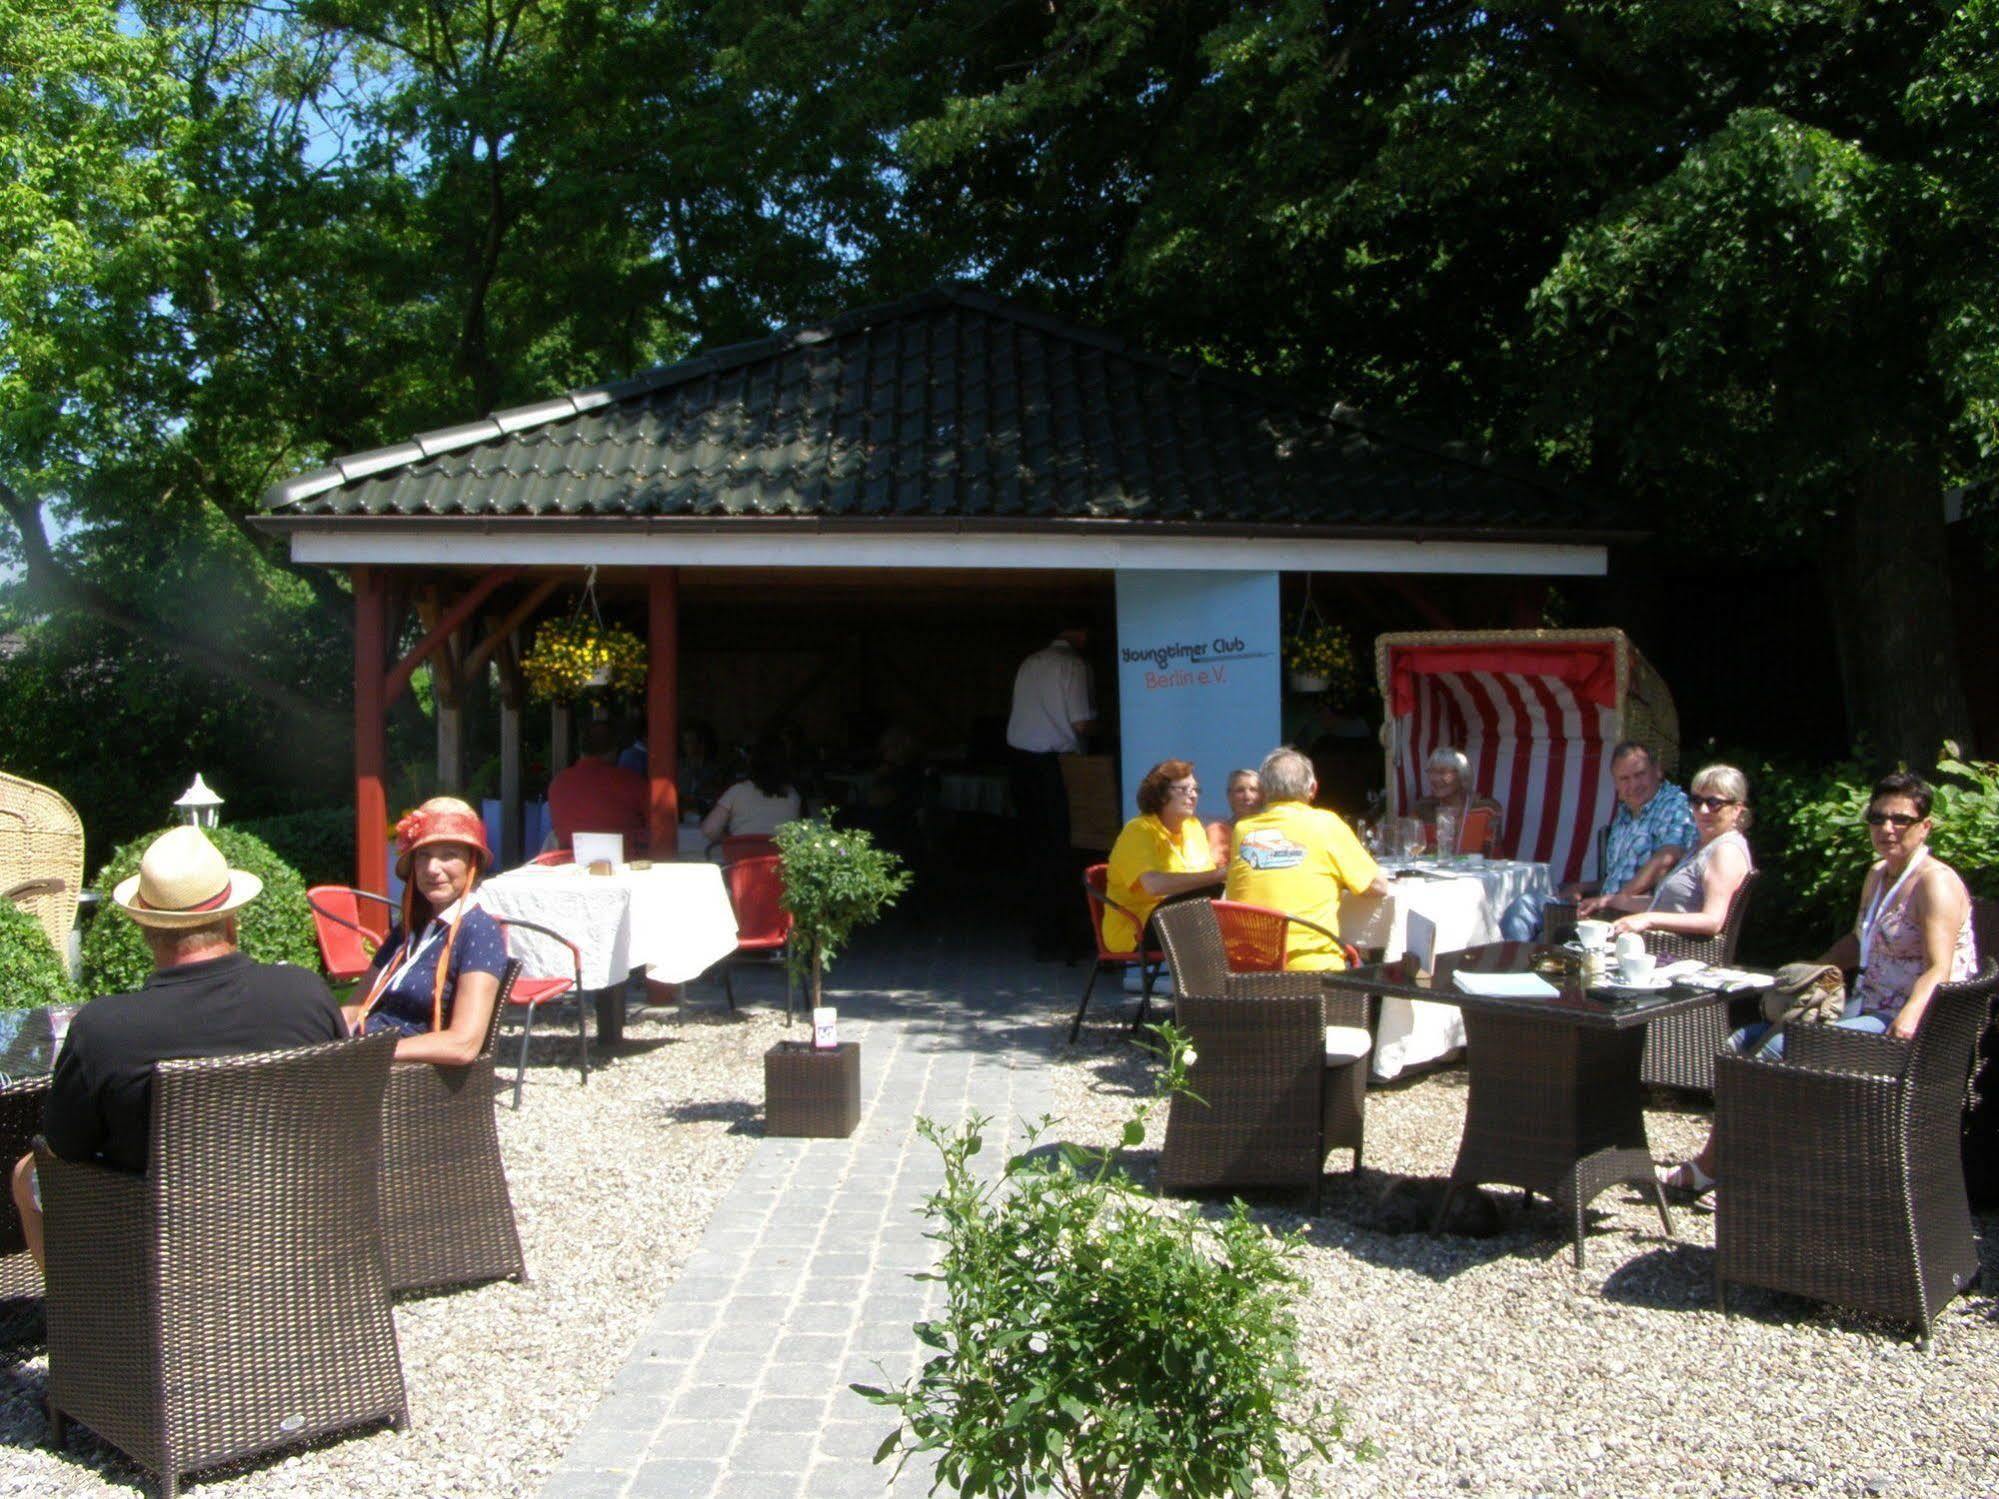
{"x":1637,"y":967}
{"x":1592,"y":933}
{"x":1629,"y":943}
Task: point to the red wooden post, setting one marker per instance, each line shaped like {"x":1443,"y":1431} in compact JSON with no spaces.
{"x":371,"y":806}
{"x":663,"y":707}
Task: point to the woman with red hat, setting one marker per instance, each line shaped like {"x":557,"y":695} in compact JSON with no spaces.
{"x":437,"y":977}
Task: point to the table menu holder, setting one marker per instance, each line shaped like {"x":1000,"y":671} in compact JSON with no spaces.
{"x":812,"y":1092}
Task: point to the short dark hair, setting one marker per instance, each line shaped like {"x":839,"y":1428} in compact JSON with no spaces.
{"x":769,"y":771}
{"x":600,"y":737}
{"x":1153,"y":789}
{"x":1903,"y":783}
{"x":1632,"y":747}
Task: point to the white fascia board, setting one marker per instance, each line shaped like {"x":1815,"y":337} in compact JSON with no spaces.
{"x":471,"y":546}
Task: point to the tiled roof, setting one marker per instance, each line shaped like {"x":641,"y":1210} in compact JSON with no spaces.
{"x":947,"y":405}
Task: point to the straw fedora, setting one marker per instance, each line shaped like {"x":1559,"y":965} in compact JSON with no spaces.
{"x":184,"y":881}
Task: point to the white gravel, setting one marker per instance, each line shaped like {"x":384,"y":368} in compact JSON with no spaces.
{"x":612,"y":1185}
{"x":1492,"y":1366}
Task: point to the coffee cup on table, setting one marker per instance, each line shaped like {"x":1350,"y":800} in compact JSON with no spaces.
{"x":1593,"y":933}
{"x":1637,"y":967}
{"x":1629,"y":943}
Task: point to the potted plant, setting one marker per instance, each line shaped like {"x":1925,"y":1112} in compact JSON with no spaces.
{"x":572,"y":656}
{"x":835,"y":882}
{"x":1320,"y":657}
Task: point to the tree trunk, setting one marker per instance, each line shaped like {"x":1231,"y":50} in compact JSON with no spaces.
{"x":1886,"y":564}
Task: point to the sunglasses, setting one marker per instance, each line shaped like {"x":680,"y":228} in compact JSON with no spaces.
{"x":1710,"y":803}
{"x":1896,"y":820}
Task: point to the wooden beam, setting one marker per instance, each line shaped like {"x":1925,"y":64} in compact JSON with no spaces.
{"x":371,"y":807}
{"x":663,"y":708}
{"x":515,"y":618}
{"x":440,"y":632}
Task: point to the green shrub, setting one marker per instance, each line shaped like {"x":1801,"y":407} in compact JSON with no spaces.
{"x":276,"y":927}
{"x":835,"y":881}
{"x":1097,"y":1341}
{"x":318,"y":843}
{"x":31,"y":972}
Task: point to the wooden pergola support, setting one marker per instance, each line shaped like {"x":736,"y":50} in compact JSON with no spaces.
{"x":371,"y":803}
{"x":663,"y":708}
{"x":440,"y":632}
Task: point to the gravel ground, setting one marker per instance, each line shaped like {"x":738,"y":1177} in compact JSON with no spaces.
{"x":612,"y":1185}
{"x":1492,"y":1366}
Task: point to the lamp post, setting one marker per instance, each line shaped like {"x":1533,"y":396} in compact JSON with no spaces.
{"x":201,"y":804}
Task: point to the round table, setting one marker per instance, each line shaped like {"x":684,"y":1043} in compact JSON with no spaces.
{"x":1465,"y":901}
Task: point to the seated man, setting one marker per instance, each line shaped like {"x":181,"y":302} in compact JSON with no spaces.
{"x":1650,"y":832}
{"x":597,"y":795}
{"x":205,"y":999}
{"x":1297,"y":858}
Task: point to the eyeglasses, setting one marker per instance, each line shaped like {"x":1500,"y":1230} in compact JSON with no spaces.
{"x":1710,"y":803}
{"x":1190,"y":789}
{"x":1896,"y":820}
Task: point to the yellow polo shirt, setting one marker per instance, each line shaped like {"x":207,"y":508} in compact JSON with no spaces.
{"x":1297,"y":859}
{"x":1143,"y":847}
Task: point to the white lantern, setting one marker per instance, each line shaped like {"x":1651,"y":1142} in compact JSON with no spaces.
{"x":201,"y":804}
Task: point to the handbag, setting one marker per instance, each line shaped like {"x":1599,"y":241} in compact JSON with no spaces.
{"x":1805,"y":994}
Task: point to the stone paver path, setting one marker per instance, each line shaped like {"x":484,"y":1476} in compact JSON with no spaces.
{"x":801,"y":1284}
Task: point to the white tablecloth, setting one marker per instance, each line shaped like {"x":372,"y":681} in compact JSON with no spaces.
{"x":672,"y":920}
{"x":1466,"y":907}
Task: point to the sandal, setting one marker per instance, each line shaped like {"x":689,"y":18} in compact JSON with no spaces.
{"x":1687,"y":1178}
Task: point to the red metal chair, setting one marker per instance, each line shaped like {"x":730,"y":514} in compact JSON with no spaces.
{"x":738,"y":846}
{"x":555,"y":856}
{"x":1096,"y":883}
{"x":763,"y":926}
{"x":351,"y":926}
{"x":1255,"y":939}
{"x":1475,"y":833}
{"x":531,"y":994}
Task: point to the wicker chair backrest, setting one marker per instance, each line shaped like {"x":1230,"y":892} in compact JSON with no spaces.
{"x":41,"y":846}
{"x":508,"y":975}
{"x":1944,"y":1050}
{"x":1192,"y":940}
{"x":1738,"y":907}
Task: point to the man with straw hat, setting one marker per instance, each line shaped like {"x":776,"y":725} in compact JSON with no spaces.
{"x":205,"y":999}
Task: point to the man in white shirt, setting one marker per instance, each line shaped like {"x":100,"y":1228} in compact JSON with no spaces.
{"x":1052,"y":713}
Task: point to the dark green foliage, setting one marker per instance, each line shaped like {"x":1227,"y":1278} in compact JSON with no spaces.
{"x":31,"y":973}
{"x":1097,"y":1341}
{"x":276,"y":927}
{"x":318,"y":843}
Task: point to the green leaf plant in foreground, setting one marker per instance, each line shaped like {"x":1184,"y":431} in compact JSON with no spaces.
{"x":1098,"y":1341}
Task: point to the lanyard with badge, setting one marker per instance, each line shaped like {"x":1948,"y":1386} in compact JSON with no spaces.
{"x":412,"y":955}
{"x":1884,"y":901}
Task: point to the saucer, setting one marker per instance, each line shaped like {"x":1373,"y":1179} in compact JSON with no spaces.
{"x":1650,"y":986}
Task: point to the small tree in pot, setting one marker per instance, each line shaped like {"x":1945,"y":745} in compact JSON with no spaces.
{"x":835,"y":882}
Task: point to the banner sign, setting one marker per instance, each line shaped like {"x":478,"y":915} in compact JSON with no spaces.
{"x":1198,"y":676}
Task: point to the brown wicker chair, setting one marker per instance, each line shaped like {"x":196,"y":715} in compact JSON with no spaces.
{"x":1839,"y":1169}
{"x":1981,"y":1105}
{"x":1269,"y":1105}
{"x":233,"y":1298}
{"x":1680,"y":1050}
{"x":447,"y":1215}
{"x":41,"y":855}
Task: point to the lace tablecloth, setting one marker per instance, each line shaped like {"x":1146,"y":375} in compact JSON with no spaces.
{"x":672,"y":920}
{"x":1465,"y":901}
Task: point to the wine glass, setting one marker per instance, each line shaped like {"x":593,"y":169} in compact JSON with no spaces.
{"x":1412,"y":836}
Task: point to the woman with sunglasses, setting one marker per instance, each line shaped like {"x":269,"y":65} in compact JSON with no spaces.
{"x":1162,"y":852}
{"x":1913,"y":933}
{"x":1693,"y":899}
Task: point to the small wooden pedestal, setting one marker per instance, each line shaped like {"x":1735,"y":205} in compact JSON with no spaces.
{"x":812,"y":1092}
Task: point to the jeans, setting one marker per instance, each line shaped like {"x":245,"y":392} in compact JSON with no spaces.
{"x":1874,"y":1022}
{"x":1522,"y":920}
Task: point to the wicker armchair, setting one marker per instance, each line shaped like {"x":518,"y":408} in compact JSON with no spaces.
{"x":232,"y":1299}
{"x":41,"y":855}
{"x":1272,"y":1097}
{"x":447,"y":1217}
{"x":1680,"y":1050}
{"x":1839,"y":1169}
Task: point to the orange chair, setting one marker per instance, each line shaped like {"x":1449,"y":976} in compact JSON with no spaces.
{"x":349,"y":932}
{"x":555,"y":856}
{"x":763,"y":926}
{"x":531,"y":994}
{"x":1475,"y":833}
{"x":743,"y":846}
{"x":1255,"y":939}
{"x":1096,"y":884}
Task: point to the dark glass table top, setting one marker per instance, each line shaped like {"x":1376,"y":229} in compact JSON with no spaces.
{"x":1603,"y":1006}
{"x":29,"y":1040}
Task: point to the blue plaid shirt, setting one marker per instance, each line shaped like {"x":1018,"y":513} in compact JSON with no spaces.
{"x":1635,"y":837}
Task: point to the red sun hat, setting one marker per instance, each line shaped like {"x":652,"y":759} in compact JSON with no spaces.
{"x":442,"y":819}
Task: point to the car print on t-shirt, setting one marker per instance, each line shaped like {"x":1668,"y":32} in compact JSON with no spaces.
{"x":1267,"y":848}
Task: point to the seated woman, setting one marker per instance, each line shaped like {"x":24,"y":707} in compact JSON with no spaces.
{"x":1245,"y":796}
{"x":1913,"y":932}
{"x":757,"y":806}
{"x":437,"y":976}
{"x":1693,"y":899}
{"x":1162,"y":852}
{"x":1447,"y":782}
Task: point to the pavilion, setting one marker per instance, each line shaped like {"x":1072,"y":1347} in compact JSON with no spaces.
{"x":944,"y":453}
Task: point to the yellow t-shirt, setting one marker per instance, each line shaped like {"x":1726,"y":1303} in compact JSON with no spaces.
{"x":1143,"y":847}
{"x":1297,"y":859}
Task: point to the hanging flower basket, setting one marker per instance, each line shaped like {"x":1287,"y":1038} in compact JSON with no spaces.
{"x":1308,"y":682}
{"x":1320,"y":658}
{"x":572,"y":656}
